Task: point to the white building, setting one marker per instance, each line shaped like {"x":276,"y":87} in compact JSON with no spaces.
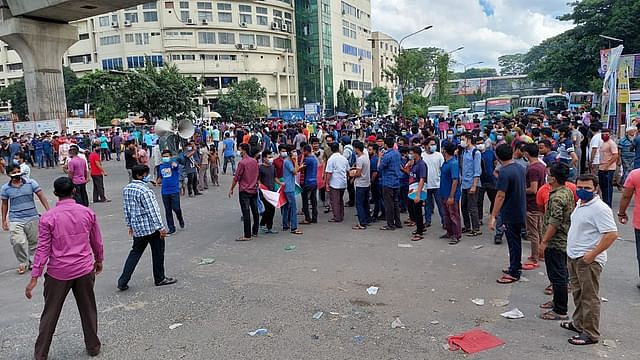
{"x":385,"y":49}
{"x":218,"y":42}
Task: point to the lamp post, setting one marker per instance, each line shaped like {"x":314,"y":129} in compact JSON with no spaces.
{"x":413,"y":33}
{"x":464,"y":89}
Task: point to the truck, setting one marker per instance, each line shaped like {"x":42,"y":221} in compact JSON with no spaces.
{"x":434,"y":111}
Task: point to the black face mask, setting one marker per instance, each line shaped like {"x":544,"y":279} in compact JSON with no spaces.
{"x":16,"y":177}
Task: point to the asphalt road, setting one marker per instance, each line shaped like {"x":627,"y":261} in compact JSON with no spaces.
{"x":258,"y":284}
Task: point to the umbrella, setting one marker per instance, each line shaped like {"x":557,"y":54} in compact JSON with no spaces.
{"x":215,"y":115}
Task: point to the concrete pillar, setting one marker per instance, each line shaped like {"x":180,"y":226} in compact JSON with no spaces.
{"x":41,"y":46}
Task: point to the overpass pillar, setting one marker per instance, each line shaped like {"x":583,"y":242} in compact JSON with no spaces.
{"x":41,"y":46}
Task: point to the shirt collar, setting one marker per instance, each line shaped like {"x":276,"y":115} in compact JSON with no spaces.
{"x":65,"y":201}
{"x":595,"y":198}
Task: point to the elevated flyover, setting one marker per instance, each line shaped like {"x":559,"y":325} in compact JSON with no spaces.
{"x":64,"y":11}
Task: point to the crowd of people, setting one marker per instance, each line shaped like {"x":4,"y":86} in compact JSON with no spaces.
{"x":548,"y":179}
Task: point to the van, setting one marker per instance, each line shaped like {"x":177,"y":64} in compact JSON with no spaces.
{"x":434,"y":111}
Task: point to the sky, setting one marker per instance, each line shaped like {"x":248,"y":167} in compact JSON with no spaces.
{"x":486,"y":28}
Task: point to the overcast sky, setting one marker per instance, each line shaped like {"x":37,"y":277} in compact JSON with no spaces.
{"x":486,"y":28}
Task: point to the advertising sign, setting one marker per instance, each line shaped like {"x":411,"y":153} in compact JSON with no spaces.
{"x":44,"y":126}
{"x":24,"y":127}
{"x":80,"y":124}
{"x":6,"y":127}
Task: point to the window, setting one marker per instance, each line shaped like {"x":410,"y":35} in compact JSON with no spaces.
{"x":142,"y":38}
{"x":262,"y":10}
{"x":245,"y":18}
{"x":263,"y":40}
{"x":80,"y":59}
{"x":223,"y":6}
{"x":112,"y":64}
{"x":155,"y":33}
{"x":204,"y":5}
{"x":150,"y":16}
{"x":186,"y":33}
{"x":349,"y":10}
{"x":110,"y":40}
{"x":277,"y":13}
{"x":114,"y":18}
{"x":348,"y":29}
{"x":287,"y":16}
{"x":206,"y":37}
{"x":244,"y":8}
{"x":188,"y":57}
{"x":184,"y":4}
{"x":14,"y":67}
{"x":205,"y":15}
{"x":228,"y":80}
{"x":225,"y":17}
{"x":134,"y":62}
{"x":103,"y":21}
{"x":176,"y":57}
{"x":228,"y":57}
{"x":185,"y":15}
{"x":281,"y":43}
{"x":84,"y":36}
{"x":151,"y":5}
{"x":168,"y":5}
{"x":247,"y":39}
{"x":226,"y":38}
{"x":131,"y":17}
{"x":128,"y":38}
{"x":208,"y":57}
{"x":211,"y":82}
{"x":262,"y":20}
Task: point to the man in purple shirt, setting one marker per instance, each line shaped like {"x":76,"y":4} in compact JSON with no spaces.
{"x":77,"y":170}
{"x":246,"y":178}
{"x":70,"y":246}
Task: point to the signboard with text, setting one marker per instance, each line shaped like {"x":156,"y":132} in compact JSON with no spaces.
{"x":6,"y":127}
{"x":24,"y":127}
{"x":44,"y":126}
{"x":80,"y":124}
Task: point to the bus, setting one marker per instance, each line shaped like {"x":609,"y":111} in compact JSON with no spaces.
{"x":579,"y":100}
{"x":502,"y":106}
{"x":549,"y":103}
{"x":479,"y":107}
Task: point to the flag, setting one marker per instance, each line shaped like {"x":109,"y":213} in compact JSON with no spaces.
{"x":275,"y":198}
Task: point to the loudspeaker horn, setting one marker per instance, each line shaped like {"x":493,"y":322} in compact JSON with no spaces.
{"x":186,"y":129}
{"x":163,"y":127}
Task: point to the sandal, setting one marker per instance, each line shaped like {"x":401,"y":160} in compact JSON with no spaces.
{"x":242,"y":238}
{"x":581,"y":339}
{"x":416,"y":232}
{"x":296,"y":232}
{"x":568,"y":325}
{"x":530,"y":266}
{"x":454,"y":241}
{"x":507,"y":279}
{"x":551,"y":315}
{"x":548,"y":290}
{"x":417,"y":237}
{"x":387,"y":228}
{"x":22,"y":269}
{"x":358,"y":227}
{"x":547,"y":305}
{"x":305,"y":222}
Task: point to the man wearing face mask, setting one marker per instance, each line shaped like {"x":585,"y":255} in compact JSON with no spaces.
{"x":24,"y":168}
{"x":471,"y":171}
{"x":22,"y":222}
{"x":142,"y":215}
{"x":246,"y":177}
{"x":191,"y":165}
{"x":170,"y":180}
{"x":267,"y":178}
{"x":77,"y":170}
{"x":608,"y":151}
{"x":434,"y":160}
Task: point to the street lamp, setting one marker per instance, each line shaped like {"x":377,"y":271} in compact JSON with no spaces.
{"x":456,"y":50}
{"x":611,"y":39}
{"x":414,"y":33}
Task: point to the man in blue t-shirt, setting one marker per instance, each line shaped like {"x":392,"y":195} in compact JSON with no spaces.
{"x":310,"y":186}
{"x":510,"y":203}
{"x":170,"y":179}
{"x":228,"y":153}
{"x":450,"y":194}
{"x":417,"y":179}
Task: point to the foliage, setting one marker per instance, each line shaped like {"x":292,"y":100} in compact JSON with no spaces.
{"x":442,"y":76}
{"x":413,"y":68}
{"x":414,"y":105}
{"x":75,"y":100}
{"x":102,"y":91}
{"x":474,"y":73}
{"x":378,"y":95}
{"x":513,"y":64}
{"x":17,"y":94}
{"x":243,"y":101}
{"x":347,"y":102}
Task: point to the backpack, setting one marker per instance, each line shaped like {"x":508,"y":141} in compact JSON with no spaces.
{"x":352,"y":157}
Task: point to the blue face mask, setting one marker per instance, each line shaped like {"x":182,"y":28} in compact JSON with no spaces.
{"x":146,"y":178}
{"x":584,"y":195}
{"x":166,"y":160}
{"x":433,"y":148}
{"x":556,"y":136}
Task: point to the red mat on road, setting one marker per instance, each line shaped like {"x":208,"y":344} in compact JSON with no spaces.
{"x":473,"y":341}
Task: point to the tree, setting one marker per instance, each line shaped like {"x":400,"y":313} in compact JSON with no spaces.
{"x":17,"y":94}
{"x":347,"y":102}
{"x":380,"y":96}
{"x":74,"y":100}
{"x":243,"y":101}
{"x":414,"y":105}
{"x":474,"y":73}
{"x":413,"y":68}
{"x":442,"y":76}
{"x":512,"y":64}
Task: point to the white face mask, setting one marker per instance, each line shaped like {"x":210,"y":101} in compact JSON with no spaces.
{"x":480,"y":147}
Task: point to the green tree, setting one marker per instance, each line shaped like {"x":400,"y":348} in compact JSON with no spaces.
{"x":17,"y":94}
{"x":513,"y":64}
{"x":74,"y":100}
{"x":380,"y":96}
{"x":474,"y":73}
{"x":243,"y":101}
{"x":414,"y":105}
{"x":342,"y":97}
{"x":102,"y":91}
{"x":442,"y":76}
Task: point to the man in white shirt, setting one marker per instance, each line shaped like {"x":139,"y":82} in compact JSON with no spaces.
{"x":434,"y":161}
{"x":336,"y":176}
{"x":593,"y":230}
{"x":362,"y":183}
{"x":594,"y":146}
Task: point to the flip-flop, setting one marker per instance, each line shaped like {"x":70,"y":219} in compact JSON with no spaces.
{"x":568,"y":325}
{"x":507,"y":279}
{"x":296,"y":232}
{"x":387,"y":228}
{"x":358,"y":227}
{"x":22,"y":269}
{"x":548,"y":290}
{"x":581,"y":339}
{"x":530,"y":266}
{"x":417,"y":237}
{"x":551,"y":315}
{"x":547,"y":305}
{"x":242,"y":238}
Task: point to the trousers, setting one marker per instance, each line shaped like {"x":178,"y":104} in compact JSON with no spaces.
{"x":556,"y":263}
{"x":98,"y":188}
{"x":24,"y":240}
{"x":337,"y":203}
{"x":171,"y":204}
{"x":157,"y":257}
{"x":534,"y":232}
{"x":470,"y":210}
{"x":362,"y":205}
{"x":309,"y":196}
{"x":452,"y":218}
{"x":392,"y":207}
{"x":585,"y":284}
{"x":81,"y":196}
{"x":249,"y":207}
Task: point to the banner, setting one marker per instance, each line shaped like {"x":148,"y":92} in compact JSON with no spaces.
{"x":51,"y":126}
{"x":277,"y":199}
{"x":604,"y":61}
{"x":623,"y":85}
{"x":6,"y":128}
{"x":25,"y":127}
{"x":609,"y":85}
{"x":80,"y":124}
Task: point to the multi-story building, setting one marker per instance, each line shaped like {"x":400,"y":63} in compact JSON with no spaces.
{"x":333,"y":38}
{"x":217,"y":42}
{"x":385,"y":49}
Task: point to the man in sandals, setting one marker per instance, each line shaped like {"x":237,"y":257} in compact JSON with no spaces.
{"x":557,"y":220}
{"x":593,"y":230}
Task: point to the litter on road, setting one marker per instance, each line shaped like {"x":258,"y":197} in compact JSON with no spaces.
{"x":318,"y":315}
{"x":479,"y":302}
{"x":473,"y":341}
{"x":260,"y":331}
{"x":499,"y":302}
{"x":290,"y":247}
{"x":435,"y":322}
{"x":405,"y":245}
{"x":174,"y":326}
{"x":372,"y":290}
{"x":207,"y":261}
{"x":397,"y":324}
{"x":478,"y":247}
{"x":604,"y":299}
{"x":359,"y":339}
{"x":513,"y":314}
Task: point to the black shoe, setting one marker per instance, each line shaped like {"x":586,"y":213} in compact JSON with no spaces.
{"x":465,"y":231}
{"x":167,"y":281}
{"x":497,"y":240}
{"x":94,"y":352}
{"x":182,"y":225}
{"x":171,"y":232}
{"x":123,"y":287}
{"x":198,"y":193}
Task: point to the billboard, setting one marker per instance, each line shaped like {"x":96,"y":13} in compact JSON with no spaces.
{"x":44,"y":126}
{"x":25,"y":127}
{"x":80,"y":124}
{"x":6,"y":128}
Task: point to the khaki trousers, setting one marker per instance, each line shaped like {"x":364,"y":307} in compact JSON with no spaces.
{"x":24,"y":240}
{"x":534,"y":232}
{"x":585,"y":284}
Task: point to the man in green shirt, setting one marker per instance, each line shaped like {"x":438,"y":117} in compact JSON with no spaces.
{"x":557,"y":220}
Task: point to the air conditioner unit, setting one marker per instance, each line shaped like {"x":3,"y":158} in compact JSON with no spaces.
{"x":205,"y":22}
{"x":275,"y":26}
{"x":239,"y":46}
{"x":114,"y":24}
{"x":243,"y":24}
{"x":252,"y":47}
{"x":190,"y":21}
{"x":127,"y":23}
{"x":285,"y":28}
{"x":344,"y":12}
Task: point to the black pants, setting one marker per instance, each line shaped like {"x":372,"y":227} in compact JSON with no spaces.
{"x":157,"y":257}
{"x":491,"y":194}
{"x":514,"y":241}
{"x":470,"y":210}
{"x":81,"y":196}
{"x":172,"y":204}
{"x":352,"y":194}
{"x":98,"y":188}
{"x":392,"y":207}
{"x":378,"y":204}
{"x":192,"y":183}
{"x":249,"y":207}
{"x":309,"y":195}
{"x":267,"y":217}
{"x":556,"y":263}
{"x":415,"y":212}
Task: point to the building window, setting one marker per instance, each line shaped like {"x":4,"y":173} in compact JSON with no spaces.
{"x":185,"y":15}
{"x":262,"y":20}
{"x":142,"y":38}
{"x":188,"y":57}
{"x":348,"y":9}
{"x":211,"y":82}
{"x":262,"y":10}
{"x":228,"y":57}
{"x":206,"y":37}
{"x":277,"y":13}
{"x":247,"y":39}
{"x":263,"y":40}
{"x":128,"y":38}
{"x":110,"y":40}
{"x":103,"y":21}
{"x":228,"y":80}
{"x":84,"y":36}
{"x":184,"y":4}
{"x":14,"y":67}
{"x":155,"y":33}
{"x":134,"y":62}
{"x":244,"y":8}
{"x":205,"y":5}
{"x":226,"y":38}
{"x":112,"y":64}
{"x":225,"y":17}
{"x":114,"y":18}
{"x":80,"y":59}
{"x":168,"y":5}
{"x":205,"y":15}
{"x":150,"y":5}
{"x":131,"y":17}
{"x":281,"y":43}
{"x":150,"y":16}
{"x":224,"y":6}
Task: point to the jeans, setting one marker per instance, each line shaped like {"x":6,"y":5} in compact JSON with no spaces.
{"x":40,"y":158}
{"x":605,"y":178}
{"x":192,"y":183}
{"x":378,"y":203}
{"x":249,"y":207}
{"x":172,"y":204}
{"x":451,"y":218}
{"x":491,"y":194}
{"x":403,"y":196}
{"x":392,"y":206}
{"x":309,"y":195}
{"x":80,"y":195}
{"x":433,"y":200}
{"x":637,"y":232}
{"x":98,"y":188}
{"x":556,"y":263}
{"x":229,"y":159}
{"x":470,"y":210}
{"x":336,"y":199}
{"x":267,"y":217}
{"x":351,"y":190}
{"x":362,"y":205}
{"x":157,"y":257}
{"x":415,"y":211}
{"x":290,"y":212}
{"x":514,"y":241}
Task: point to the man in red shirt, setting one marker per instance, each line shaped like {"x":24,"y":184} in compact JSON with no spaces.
{"x":246,"y":177}
{"x":97,"y":175}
